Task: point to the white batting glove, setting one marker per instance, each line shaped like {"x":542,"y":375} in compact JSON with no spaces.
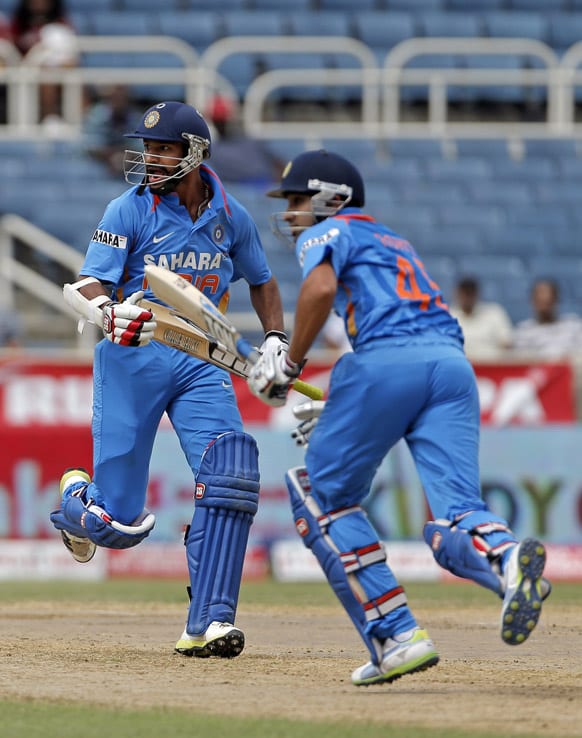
{"x":128,"y":324}
{"x":274,"y":342}
{"x":308,"y":412}
{"x":272,"y":375}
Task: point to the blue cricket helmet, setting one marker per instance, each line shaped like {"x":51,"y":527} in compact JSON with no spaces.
{"x":314,"y":171}
{"x":172,"y":121}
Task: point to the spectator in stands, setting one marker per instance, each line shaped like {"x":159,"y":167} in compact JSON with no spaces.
{"x":11,"y":328}
{"x":548,"y":335}
{"x":237,"y":157}
{"x":487,"y":327}
{"x":44,"y":35}
{"x":333,"y":335}
{"x":105,"y":124}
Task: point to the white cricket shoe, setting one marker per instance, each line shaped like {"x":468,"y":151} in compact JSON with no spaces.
{"x":525,"y":589}
{"x":81,"y":549}
{"x":406,"y":653}
{"x":220,"y":639}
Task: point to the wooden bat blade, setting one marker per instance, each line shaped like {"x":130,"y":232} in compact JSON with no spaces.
{"x":181,"y":333}
{"x":193,"y":306}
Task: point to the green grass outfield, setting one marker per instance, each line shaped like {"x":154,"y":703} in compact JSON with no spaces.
{"x":29,"y":719}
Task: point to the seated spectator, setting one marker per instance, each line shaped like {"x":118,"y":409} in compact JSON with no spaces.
{"x":106,"y":122}
{"x":11,"y":329}
{"x":235,"y":156}
{"x":44,"y":35}
{"x":548,"y":335}
{"x":333,"y":335}
{"x":486,"y":325}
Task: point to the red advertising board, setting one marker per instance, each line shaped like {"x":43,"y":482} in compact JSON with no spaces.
{"x":45,"y":423}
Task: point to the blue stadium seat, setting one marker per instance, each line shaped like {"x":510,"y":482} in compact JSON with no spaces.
{"x":200,"y":33}
{"x":473,"y":5}
{"x":303,"y":61}
{"x":124,"y":23}
{"x":82,"y":22}
{"x":298,"y":5}
{"x":326,"y":23}
{"x":347,"y":5}
{"x":416,"y":93}
{"x":415,"y":147}
{"x":565,"y":29}
{"x":516,"y":25}
{"x":74,"y":6}
{"x":415,"y":5}
{"x":495,"y":92}
{"x":381,"y":31}
{"x":240,"y":70}
{"x":523,"y":241}
{"x":253,"y":23}
{"x":544,"y":218}
{"x":490,"y":148}
{"x":431,"y":194}
{"x":558,"y":147}
{"x":452,"y":242}
{"x":466,"y":169}
{"x":149,"y":6}
{"x":529,"y":169}
{"x":396,"y":172}
{"x":450,"y":24}
{"x":492,"y":192}
{"x":543,"y":6}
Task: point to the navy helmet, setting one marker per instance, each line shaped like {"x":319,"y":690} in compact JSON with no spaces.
{"x":169,"y":121}
{"x":315,"y":172}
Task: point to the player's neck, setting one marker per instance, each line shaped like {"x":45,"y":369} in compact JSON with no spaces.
{"x":195,"y":195}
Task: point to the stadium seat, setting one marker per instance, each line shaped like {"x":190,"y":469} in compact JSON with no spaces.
{"x":498,"y":92}
{"x":422,"y":148}
{"x":199,"y":34}
{"x":543,"y":6}
{"x":473,"y":5}
{"x":565,"y":29}
{"x":450,"y":24}
{"x":253,"y":23}
{"x":516,"y":25}
{"x":240,"y":70}
{"x":304,"y":61}
{"x":326,"y":23}
{"x":466,"y":169}
{"x":124,"y":23}
{"x":347,"y":5}
{"x":415,"y":5}
{"x":491,"y":148}
{"x":531,"y":168}
{"x":492,"y":192}
{"x":556,"y":147}
{"x":381,"y":31}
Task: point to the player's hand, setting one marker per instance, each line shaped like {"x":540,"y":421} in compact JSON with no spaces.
{"x":274,"y":342}
{"x":128,"y":324}
{"x":308,"y":413}
{"x":272,"y":375}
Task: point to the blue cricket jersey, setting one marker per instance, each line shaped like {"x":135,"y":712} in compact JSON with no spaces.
{"x":140,"y":228}
{"x":384,"y":290}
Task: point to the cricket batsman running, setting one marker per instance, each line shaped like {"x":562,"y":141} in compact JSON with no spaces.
{"x":407,"y":378}
{"x":178,"y":216}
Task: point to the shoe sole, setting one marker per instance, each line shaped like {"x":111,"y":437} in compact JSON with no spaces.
{"x":69,"y":545}
{"x":226,"y":647}
{"x":421,"y":664}
{"x":523,"y":610}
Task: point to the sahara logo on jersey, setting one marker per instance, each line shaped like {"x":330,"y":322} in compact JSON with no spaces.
{"x":317,"y":241}
{"x":203,"y":261}
{"x":110,"y":239}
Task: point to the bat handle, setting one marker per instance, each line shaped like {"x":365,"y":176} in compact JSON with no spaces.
{"x":309,"y":390}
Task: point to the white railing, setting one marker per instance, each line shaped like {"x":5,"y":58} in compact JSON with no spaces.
{"x":378,"y":88}
{"x":16,"y":275}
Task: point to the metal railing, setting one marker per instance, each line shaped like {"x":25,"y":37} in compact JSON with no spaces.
{"x":378,"y":88}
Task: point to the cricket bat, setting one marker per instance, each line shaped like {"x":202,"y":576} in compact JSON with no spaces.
{"x":193,"y":310}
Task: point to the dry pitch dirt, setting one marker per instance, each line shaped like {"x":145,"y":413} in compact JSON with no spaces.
{"x":297,"y":664}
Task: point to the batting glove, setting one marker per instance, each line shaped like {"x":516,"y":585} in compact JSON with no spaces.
{"x":274,"y":342}
{"x":308,"y":412}
{"x":272,"y":375}
{"x":128,"y":324}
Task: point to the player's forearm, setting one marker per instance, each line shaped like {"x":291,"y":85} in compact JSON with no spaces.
{"x":266,"y":301}
{"x":314,"y":304}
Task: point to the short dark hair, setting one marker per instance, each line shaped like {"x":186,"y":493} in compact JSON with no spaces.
{"x":468,"y":284}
